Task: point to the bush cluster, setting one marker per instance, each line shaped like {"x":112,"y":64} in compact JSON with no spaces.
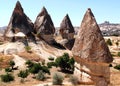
{"x":7,"y":77}
{"x":34,"y":68}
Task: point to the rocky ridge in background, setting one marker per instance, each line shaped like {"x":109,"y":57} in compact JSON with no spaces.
{"x":109,"y":29}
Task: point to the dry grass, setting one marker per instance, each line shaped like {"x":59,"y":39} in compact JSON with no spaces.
{"x":30,"y":56}
{"x":4,"y":60}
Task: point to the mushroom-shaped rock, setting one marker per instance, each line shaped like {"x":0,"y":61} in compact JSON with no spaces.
{"x":91,"y":52}
{"x":44,"y":26}
{"x":19,"y":22}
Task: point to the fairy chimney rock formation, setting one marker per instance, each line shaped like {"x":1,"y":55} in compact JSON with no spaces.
{"x":44,"y":26}
{"x":91,"y":53}
{"x":19,"y":22}
{"x":66,"y":28}
{"x":67,"y":32}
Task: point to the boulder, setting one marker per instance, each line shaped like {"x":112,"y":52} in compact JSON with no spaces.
{"x":19,"y":22}
{"x":67,"y":43}
{"x":91,"y":53}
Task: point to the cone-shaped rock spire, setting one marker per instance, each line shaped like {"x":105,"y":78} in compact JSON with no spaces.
{"x":44,"y":26}
{"x":90,"y":44}
{"x":91,"y":53}
{"x":67,"y":32}
{"x":19,"y":22}
{"x":66,"y":28}
{"x":43,"y":12}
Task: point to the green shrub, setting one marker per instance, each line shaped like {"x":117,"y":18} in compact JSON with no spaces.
{"x":74,"y":80}
{"x":35,"y":68}
{"x":7,"y":77}
{"x":51,"y":58}
{"x":57,"y":79}
{"x":118,"y":54}
{"x":28,"y":48}
{"x":45,"y":69}
{"x":109,"y":42}
{"x":50,"y":64}
{"x":29,"y":63}
{"x":117,"y":67}
{"x":40,"y":76}
{"x":12,"y":63}
{"x":65,"y":63}
{"x":23,"y":74}
{"x":8,"y":69}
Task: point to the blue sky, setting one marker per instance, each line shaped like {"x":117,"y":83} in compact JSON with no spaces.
{"x":102,"y":9}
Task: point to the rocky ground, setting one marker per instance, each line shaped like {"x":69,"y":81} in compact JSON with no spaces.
{"x":44,"y":51}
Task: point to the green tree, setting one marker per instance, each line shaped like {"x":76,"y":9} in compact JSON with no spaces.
{"x":109,"y":42}
{"x":65,"y":63}
{"x":35,"y":68}
{"x":12,"y":63}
